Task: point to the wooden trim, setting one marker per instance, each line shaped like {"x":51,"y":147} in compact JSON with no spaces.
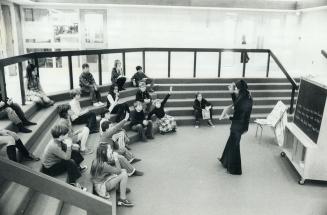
{"x":21,"y":82}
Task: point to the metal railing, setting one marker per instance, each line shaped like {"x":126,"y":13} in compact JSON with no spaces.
{"x":324,"y":53}
{"x":99,"y":52}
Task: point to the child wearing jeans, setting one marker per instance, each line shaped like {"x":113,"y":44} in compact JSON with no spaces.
{"x":140,"y":124}
{"x":144,"y":96}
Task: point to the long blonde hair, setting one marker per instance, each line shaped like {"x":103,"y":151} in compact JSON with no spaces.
{"x":100,"y":160}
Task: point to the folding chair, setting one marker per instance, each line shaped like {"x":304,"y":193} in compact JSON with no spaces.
{"x":276,"y":120}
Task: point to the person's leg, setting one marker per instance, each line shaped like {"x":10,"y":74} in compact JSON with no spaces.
{"x":73,"y":170}
{"x":18,"y":110}
{"x":11,"y":149}
{"x":126,"y":165}
{"x":234,"y":165}
{"x":120,"y":180}
{"x":22,"y":149}
{"x":140,"y":130}
{"x":126,"y":153}
{"x":11,"y":153}
{"x":120,"y":83}
{"x":97,"y":95}
{"x":16,"y":120}
{"x":77,"y":157}
{"x":149,"y":130}
{"x":82,"y":136}
{"x":93,"y":95}
{"x":88,"y":118}
{"x":197,"y":116}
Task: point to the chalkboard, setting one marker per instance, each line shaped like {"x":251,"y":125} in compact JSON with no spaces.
{"x":310,"y":108}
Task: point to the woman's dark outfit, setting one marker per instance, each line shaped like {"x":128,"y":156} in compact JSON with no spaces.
{"x":119,"y":109}
{"x":198,"y":106}
{"x":115,"y":80}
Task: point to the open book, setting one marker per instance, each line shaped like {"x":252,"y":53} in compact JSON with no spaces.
{"x":228,"y":110}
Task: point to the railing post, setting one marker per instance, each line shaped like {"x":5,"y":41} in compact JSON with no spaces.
{"x":36,"y":62}
{"x":244,"y":64}
{"x":292,"y":100}
{"x":194,"y":65}
{"x":100,"y":68}
{"x":21,"y":82}
{"x":70,"y":69}
{"x":143,"y":60}
{"x":219,"y":63}
{"x":3,"y":83}
{"x":124,"y":63}
{"x":268,"y":65}
{"x":169,"y":54}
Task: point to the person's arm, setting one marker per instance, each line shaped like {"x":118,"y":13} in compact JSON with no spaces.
{"x":3,"y":132}
{"x":148,"y":95}
{"x":233,"y":97}
{"x":196,"y":105}
{"x":110,"y":169}
{"x":206,"y":103}
{"x":65,"y":155}
{"x":114,"y":75}
{"x":150,"y":114}
{"x":138,"y":96}
{"x":112,"y":102}
{"x":75,"y":108}
{"x":111,"y":131}
{"x":165,"y":100}
{"x":84,"y":82}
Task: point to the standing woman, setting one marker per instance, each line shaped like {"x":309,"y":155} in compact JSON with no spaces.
{"x":114,"y":105}
{"x":242,"y":101}
{"x":34,"y":91}
{"x":117,"y":75}
{"x":200,"y":105}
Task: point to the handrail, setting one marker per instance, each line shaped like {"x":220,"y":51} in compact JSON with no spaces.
{"x":324,"y":53}
{"x":55,"y":188}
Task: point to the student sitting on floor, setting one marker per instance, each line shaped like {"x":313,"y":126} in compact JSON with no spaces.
{"x":79,"y":136}
{"x":106,"y":177}
{"x":34,"y":90}
{"x":144,"y":96}
{"x":202,"y":109}
{"x":141,"y":76}
{"x":166,"y":123}
{"x":80,"y":116}
{"x":114,"y":105}
{"x":88,"y":85}
{"x":15,"y":114}
{"x":59,"y":156}
{"x":117,"y":76}
{"x":140,"y":124}
{"x":12,"y":141}
{"x":116,"y":137}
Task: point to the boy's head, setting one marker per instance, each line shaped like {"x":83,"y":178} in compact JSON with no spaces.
{"x":105,"y":125}
{"x":106,"y":115}
{"x":75,"y":94}
{"x":85,"y":67}
{"x":142,"y":86}
{"x":138,"y":106}
{"x":139,"y":69}
{"x":63,"y":110}
{"x":59,"y":132}
{"x":157,"y":103}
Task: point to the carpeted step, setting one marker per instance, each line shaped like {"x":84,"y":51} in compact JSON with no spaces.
{"x":221,"y":80}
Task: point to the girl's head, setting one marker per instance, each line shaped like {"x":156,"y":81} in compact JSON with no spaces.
{"x":102,"y":154}
{"x":142,"y":86}
{"x":157,"y":103}
{"x":138,"y":106}
{"x":63,"y":111}
{"x":114,"y":89}
{"x":31,"y":71}
{"x":117,"y":64}
{"x":198,"y":96}
{"x":86,"y":67}
{"x":241,"y":87}
{"x":59,"y":132}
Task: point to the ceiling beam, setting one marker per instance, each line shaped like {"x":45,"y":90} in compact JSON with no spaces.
{"x":306,"y":4}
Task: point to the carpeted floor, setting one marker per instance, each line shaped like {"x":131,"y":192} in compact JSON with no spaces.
{"x":183,"y":177}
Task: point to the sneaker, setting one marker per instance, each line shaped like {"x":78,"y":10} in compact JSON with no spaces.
{"x":124,"y":202}
{"x":134,"y":160}
{"x":83,"y":168}
{"x":27,"y":123}
{"x":78,"y":185}
{"x":87,"y":152}
{"x":210,"y":123}
{"x":137,"y":173}
{"x":101,"y":103}
{"x":24,"y":130}
{"x":196,"y":126}
{"x":197,"y":123}
{"x":32,"y":157}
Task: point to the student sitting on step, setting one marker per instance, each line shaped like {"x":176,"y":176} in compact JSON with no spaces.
{"x":60,"y":155}
{"x":144,"y":96}
{"x":140,"y":124}
{"x":114,"y":105}
{"x":11,"y":110}
{"x":12,"y":141}
{"x":116,"y":136}
{"x":202,"y":110}
{"x":140,"y":76}
{"x":34,"y":90}
{"x":117,"y":76}
{"x":80,"y":116}
{"x":79,"y":136}
{"x":166,"y":123}
{"x":106,"y":177}
{"x":88,"y":85}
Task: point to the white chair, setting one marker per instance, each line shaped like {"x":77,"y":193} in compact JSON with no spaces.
{"x":275,"y":120}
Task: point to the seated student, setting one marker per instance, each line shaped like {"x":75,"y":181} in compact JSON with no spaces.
{"x":140,"y":76}
{"x":117,"y":76}
{"x":79,"y":136}
{"x":15,"y":114}
{"x":12,"y":141}
{"x":166,"y":123}
{"x":140,"y":124}
{"x":59,"y":156}
{"x":114,"y":105}
{"x":144,"y":96}
{"x":106,"y":177}
{"x":34,"y":90}
{"x":201,"y":105}
{"x":88,"y":85}
{"x":80,"y":116}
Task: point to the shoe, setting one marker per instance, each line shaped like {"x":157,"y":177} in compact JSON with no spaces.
{"x":137,"y":173}
{"x":124,"y":202}
{"x":210,"y":123}
{"x":78,"y":185}
{"x":150,"y":137}
{"x":83,"y":168}
{"x":87,"y":152}
{"x":32,"y":157}
{"x":162,"y":133}
{"x":22,"y":129}
{"x":101,"y":103}
{"x":197,"y":123}
{"x":27,"y":123}
{"x":196,"y":126}
{"x":134,"y":160}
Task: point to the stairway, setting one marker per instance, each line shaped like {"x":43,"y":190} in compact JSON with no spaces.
{"x":17,"y":199}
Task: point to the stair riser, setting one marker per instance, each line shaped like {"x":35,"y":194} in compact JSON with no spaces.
{"x":221,"y":80}
{"x":224,"y":87}
{"x":215,"y":111}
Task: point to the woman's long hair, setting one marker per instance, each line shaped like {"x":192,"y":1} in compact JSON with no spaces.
{"x":100,"y":160}
{"x":243,"y":91}
{"x":112,"y":89}
{"x":29,"y":74}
